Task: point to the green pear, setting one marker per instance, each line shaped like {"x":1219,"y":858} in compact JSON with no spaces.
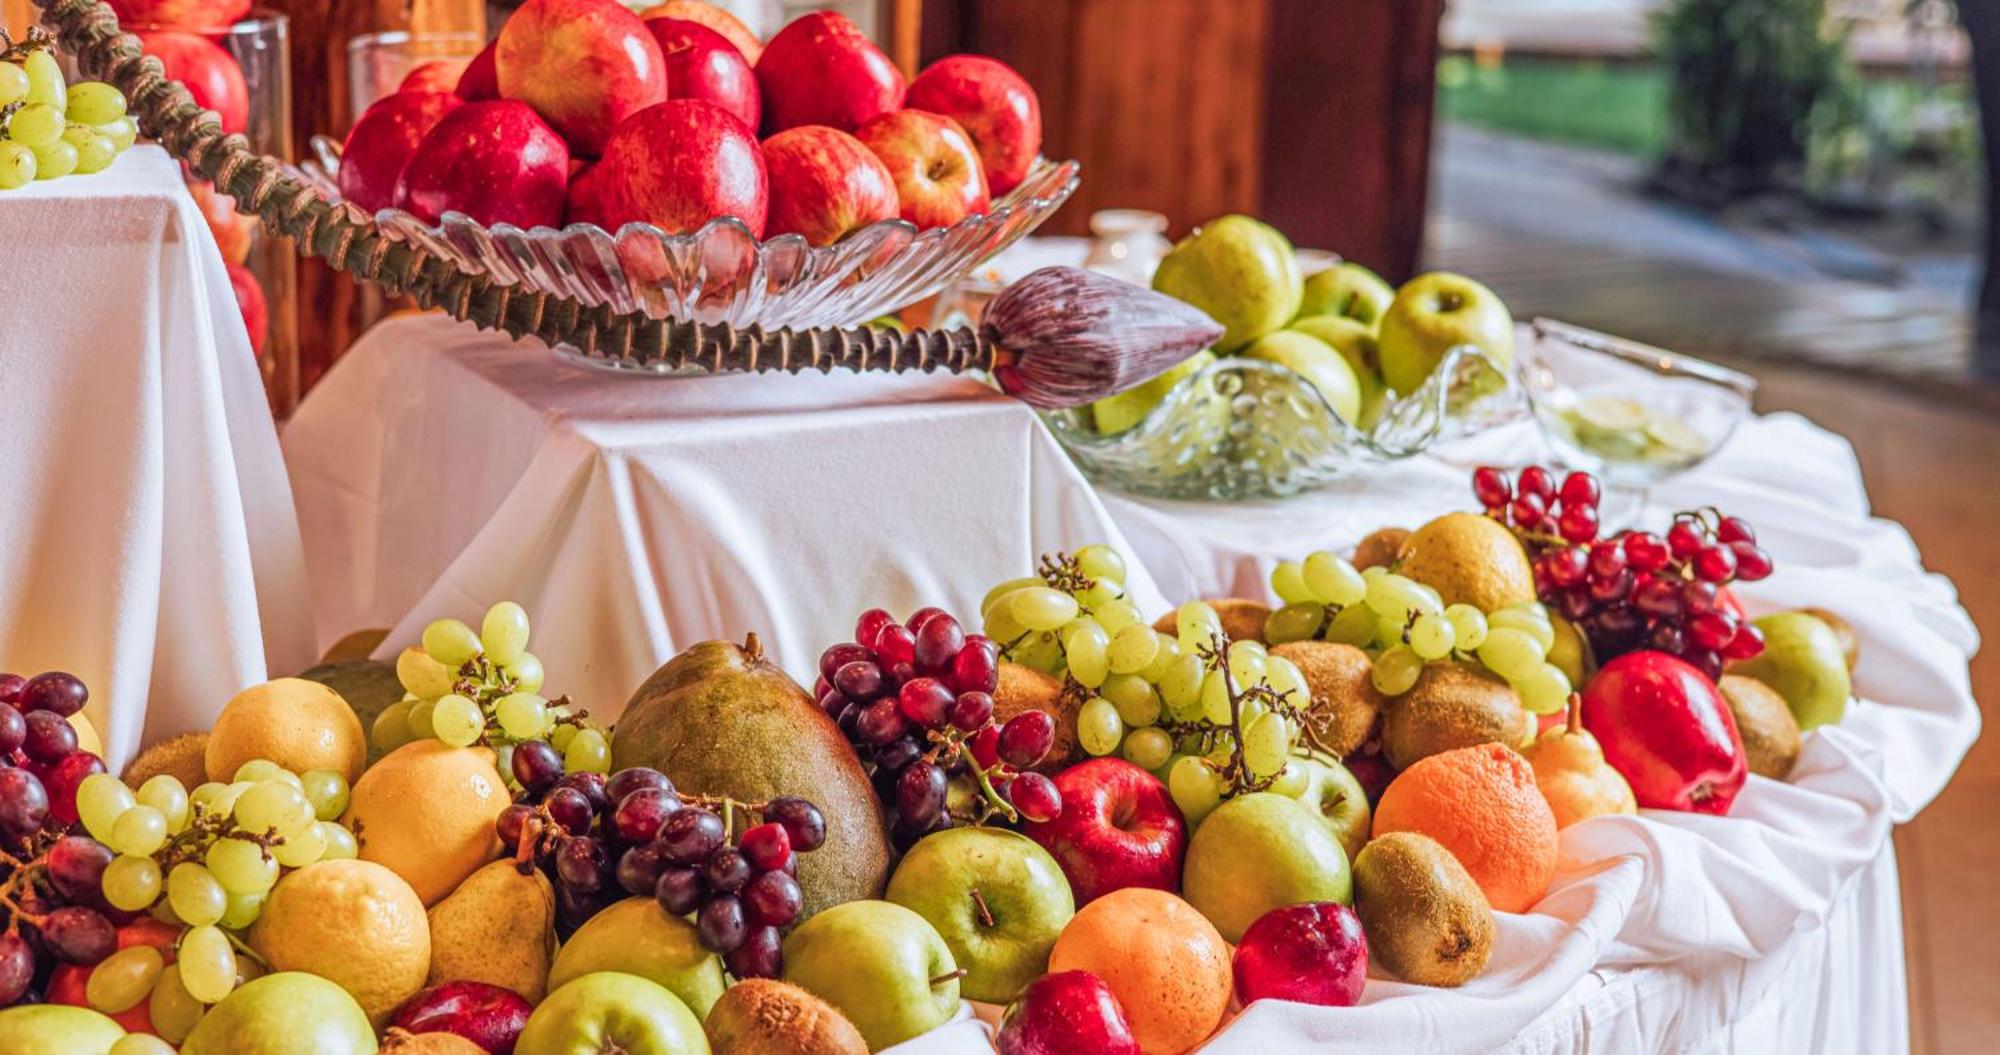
{"x":1803,"y":661}
{"x":498,"y":927}
{"x":1115,"y":414}
{"x":1349,"y":291}
{"x":880,"y":964}
{"x":288,"y":1013}
{"x":59,"y":1029}
{"x":1317,"y":362}
{"x":606,"y":1011}
{"x":1433,"y":314}
{"x":637,"y":936}
{"x":1258,"y":852}
{"x":995,"y":896}
{"x":1240,"y":271}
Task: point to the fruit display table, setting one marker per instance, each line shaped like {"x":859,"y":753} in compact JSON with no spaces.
{"x":147,"y":537}
{"x":437,"y":465}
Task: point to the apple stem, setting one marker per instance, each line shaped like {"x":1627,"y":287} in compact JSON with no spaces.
{"x":948,"y":976}
{"x":985,"y":914}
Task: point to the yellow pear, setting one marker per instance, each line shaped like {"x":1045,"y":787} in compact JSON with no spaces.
{"x":426,"y":812}
{"x":498,"y":927}
{"x":1573,"y":775}
{"x":1471,"y":559}
{"x":354,"y":923}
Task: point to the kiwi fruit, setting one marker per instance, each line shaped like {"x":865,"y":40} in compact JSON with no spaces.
{"x":1027,"y":689}
{"x":1469,"y":559}
{"x":437,"y":1042}
{"x":1345,"y":703}
{"x":368,"y":686}
{"x":1242,"y":619}
{"x":1380,"y":548}
{"x":721,"y":719}
{"x":758,"y":1016}
{"x":1426,"y":920}
{"x":1764,"y":721}
{"x":358,"y":644}
{"x":1850,"y":643}
{"x":183,"y":758}
{"x":1452,"y":705}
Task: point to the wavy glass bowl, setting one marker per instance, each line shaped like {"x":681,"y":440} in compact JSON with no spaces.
{"x":1245,"y":428}
{"x":722,"y":273}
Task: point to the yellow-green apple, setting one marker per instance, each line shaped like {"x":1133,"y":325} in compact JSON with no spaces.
{"x":679,"y":165}
{"x":996,"y":107}
{"x":1338,"y":797}
{"x":584,"y":65}
{"x":822,"y":70}
{"x":287,"y":1013}
{"x":1356,"y":343}
{"x":1803,"y":661}
{"x":383,"y":141}
{"x":209,"y":73}
{"x":825,"y":183}
{"x":1066,"y":1013}
{"x":880,"y":964}
{"x":1316,"y":361}
{"x":1114,"y":414}
{"x":181,"y":14}
{"x":996,"y":898}
{"x":1348,"y":290}
{"x":715,"y":18}
{"x":637,"y":936}
{"x":481,"y":79}
{"x":1240,"y":271}
{"x":1313,"y":953}
{"x":1258,"y":852}
{"x":702,"y":64}
{"x":1433,"y":314}
{"x":497,"y":162}
{"x":57,"y":1029}
{"x":608,"y":1011}
{"x":931,"y":160}
{"x":1118,"y":828}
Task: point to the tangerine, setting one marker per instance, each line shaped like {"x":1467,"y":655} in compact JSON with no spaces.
{"x":1163,"y":960}
{"x":1482,"y":804}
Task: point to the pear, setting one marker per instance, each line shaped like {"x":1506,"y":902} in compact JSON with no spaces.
{"x":1570,"y":652}
{"x":1803,"y":661}
{"x":1469,"y":559}
{"x":1571,"y":770}
{"x":498,"y":927}
{"x":1850,"y":642}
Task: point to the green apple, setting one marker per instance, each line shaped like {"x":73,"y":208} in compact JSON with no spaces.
{"x":1355,"y":343}
{"x":59,"y":1029}
{"x":1317,"y":362}
{"x":288,"y":1013}
{"x":880,"y":964}
{"x":1115,"y":414}
{"x":1803,"y":661}
{"x":1433,"y":314}
{"x":1258,"y":852}
{"x":1240,"y":271}
{"x":637,"y":936}
{"x":996,"y":897}
{"x":611,"y":1011}
{"x":1349,"y":291}
{"x":1337,"y":796}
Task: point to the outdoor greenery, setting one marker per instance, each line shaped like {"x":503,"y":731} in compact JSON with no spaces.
{"x":1614,"y":106}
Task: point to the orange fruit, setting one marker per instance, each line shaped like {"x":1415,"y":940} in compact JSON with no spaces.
{"x":715,"y":18}
{"x":1481,"y":802}
{"x":1161,"y":958}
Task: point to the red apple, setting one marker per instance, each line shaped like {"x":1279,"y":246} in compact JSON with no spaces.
{"x":824,"y":183}
{"x":180,"y":14}
{"x":437,"y":75}
{"x":715,"y":18}
{"x":703,"y":64}
{"x":67,"y":984}
{"x":1313,"y":953}
{"x":1066,"y":1013}
{"x":384,"y":140}
{"x":496,"y":162}
{"x":677,"y":166}
{"x":995,"y":105}
{"x":938,"y":181}
{"x":822,"y":70}
{"x":1118,"y":828}
{"x":481,"y":81}
{"x":487,"y":1015}
{"x":1666,"y":728}
{"x":250,"y":301}
{"x":584,"y":65}
{"x":210,"y":74}
{"x":233,"y":231}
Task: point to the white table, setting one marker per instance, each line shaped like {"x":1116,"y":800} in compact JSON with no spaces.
{"x":439,"y":470}
{"x":147,"y":538}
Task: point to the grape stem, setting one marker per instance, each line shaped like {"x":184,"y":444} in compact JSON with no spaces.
{"x":23,"y":873}
{"x":1236,"y":772}
{"x":242,"y":949}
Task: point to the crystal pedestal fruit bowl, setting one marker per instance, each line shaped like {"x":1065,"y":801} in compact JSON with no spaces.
{"x":722,"y":273}
{"x":1244,"y":428}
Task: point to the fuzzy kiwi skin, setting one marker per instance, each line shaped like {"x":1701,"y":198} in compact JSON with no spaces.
{"x":1027,"y":689}
{"x":1242,"y":619}
{"x":184,"y":758}
{"x":1425,"y":919}
{"x":758,"y":1016}
{"x":1344,"y":697}
{"x":1452,"y":705}
{"x":1765,"y":723}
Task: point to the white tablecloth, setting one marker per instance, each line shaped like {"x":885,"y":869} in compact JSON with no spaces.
{"x":439,"y":470}
{"x":147,"y":538}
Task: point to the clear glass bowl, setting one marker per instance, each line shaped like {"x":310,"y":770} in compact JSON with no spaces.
{"x":1629,"y":412}
{"x":722,"y":273}
{"x":1245,"y":428}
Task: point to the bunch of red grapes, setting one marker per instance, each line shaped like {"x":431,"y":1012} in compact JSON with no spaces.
{"x":1633,"y":590}
{"x":601,"y":839}
{"x":916,"y":701}
{"x":40,"y":766}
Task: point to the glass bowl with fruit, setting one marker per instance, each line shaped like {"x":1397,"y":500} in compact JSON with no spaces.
{"x":1632,"y":413}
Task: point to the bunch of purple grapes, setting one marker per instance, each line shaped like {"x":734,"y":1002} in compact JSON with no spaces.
{"x":634,"y":833}
{"x":52,"y":911}
{"x":40,"y":765}
{"x":916,"y":702}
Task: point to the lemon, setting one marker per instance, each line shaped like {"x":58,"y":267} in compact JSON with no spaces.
{"x":354,"y":923}
{"x":295,"y":723}
{"x":426,"y":812}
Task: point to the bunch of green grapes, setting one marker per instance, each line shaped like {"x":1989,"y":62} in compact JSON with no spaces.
{"x":52,"y":129}
{"x":1405,"y":624}
{"x":1030,"y":618}
{"x":204,"y":859}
